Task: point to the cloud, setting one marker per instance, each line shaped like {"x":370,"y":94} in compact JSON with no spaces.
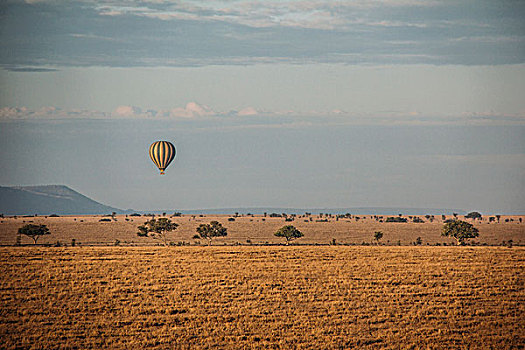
{"x":48,"y":113}
{"x":30,"y":69}
{"x":121,"y":33}
{"x":313,"y":14}
{"x":204,"y":116}
{"x":192,"y":110}
{"x":127,"y":111}
{"x":247,"y":111}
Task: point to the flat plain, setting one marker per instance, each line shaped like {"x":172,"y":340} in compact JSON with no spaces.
{"x":248,"y":292}
{"x":88,"y":230}
{"x":277,"y":297}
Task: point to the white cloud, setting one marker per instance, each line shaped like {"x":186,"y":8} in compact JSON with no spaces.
{"x":192,"y":110}
{"x":202,"y":113}
{"x":127,"y":111}
{"x":247,"y":111}
{"x":314,"y":14}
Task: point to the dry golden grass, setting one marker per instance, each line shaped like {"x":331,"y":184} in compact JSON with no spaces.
{"x":300,"y":297}
{"x":88,"y":230}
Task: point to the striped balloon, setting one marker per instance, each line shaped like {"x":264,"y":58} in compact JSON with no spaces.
{"x":162,"y":153}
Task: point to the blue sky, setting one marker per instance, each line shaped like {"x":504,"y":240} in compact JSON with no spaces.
{"x":269,"y":103}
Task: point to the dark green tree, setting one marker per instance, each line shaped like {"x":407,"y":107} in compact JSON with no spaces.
{"x":157,"y":229}
{"x":34,"y":231}
{"x":377,"y":236}
{"x":460,"y":231}
{"x":213,"y":229}
{"x":473,"y":215}
{"x":289,"y":232}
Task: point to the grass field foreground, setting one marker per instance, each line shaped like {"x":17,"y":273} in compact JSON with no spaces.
{"x":262,"y":297}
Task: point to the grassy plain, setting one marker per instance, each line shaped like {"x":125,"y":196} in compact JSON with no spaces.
{"x":88,"y":230}
{"x":276,"y":297}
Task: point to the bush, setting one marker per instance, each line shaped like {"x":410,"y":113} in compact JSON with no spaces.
{"x":395,"y":219}
{"x":104,"y":220}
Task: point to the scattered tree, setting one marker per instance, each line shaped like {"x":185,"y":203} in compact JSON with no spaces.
{"x":289,"y":232}
{"x":377,"y":236}
{"x":460,"y":231}
{"x":396,"y":219}
{"x":213,"y":229}
{"x":157,"y":229}
{"x":473,"y":215}
{"x":34,"y":231}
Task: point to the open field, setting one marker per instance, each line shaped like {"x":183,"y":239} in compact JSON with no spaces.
{"x":301,"y":297}
{"x":88,"y":230}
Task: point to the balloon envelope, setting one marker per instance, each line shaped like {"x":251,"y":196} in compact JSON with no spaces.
{"x":162,"y":153}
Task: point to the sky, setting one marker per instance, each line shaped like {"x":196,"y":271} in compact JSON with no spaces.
{"x":305,"y":103}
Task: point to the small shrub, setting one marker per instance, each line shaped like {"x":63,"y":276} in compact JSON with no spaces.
{"x":396,"y":219}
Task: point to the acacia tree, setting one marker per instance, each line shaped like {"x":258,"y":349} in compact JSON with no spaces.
{"x":157,"y":229}
{"x":213,"y":229}
{"x":460,"y":231}
{"x":289,"y":232}
{"x":377,"y":236}
{"x":473,"y":215}
{"x":34,"y":231}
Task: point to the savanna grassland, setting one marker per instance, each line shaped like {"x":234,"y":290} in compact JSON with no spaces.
{"x":277,"y":297}
{"x":88,"y":230}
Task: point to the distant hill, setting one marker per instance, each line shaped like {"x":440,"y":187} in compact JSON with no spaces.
{"x":49,"y":199}
{"x":62,"y":200}
{"x":315,"y":211}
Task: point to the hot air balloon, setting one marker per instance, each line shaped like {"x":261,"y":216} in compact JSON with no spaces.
{"x":162,"y":153}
